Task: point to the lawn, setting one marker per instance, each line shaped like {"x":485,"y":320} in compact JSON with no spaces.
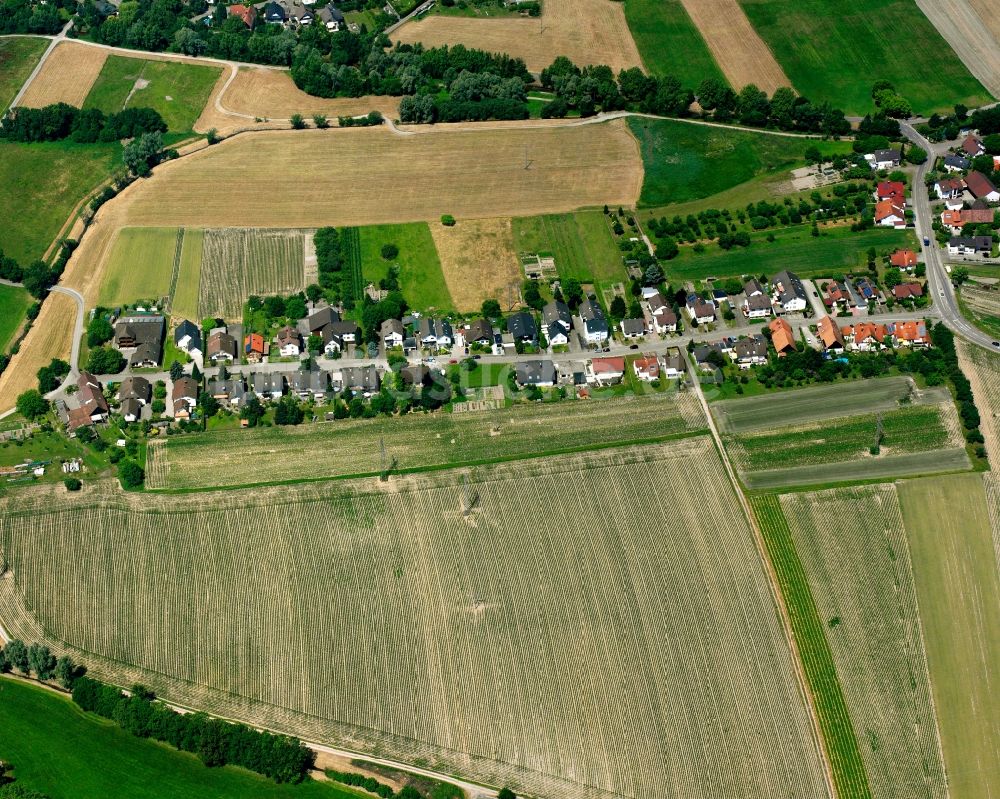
{"x":669,"y":42}
{"x":958,"y":590}
{"x":833,"y":50}
{"x":684,"y":161}
{"x":420,"y":277}
{"x":178,"y":91}
{"x":14,"y":302}
{"x":18,"y":56}
{"x":582,"y":244}
{"x":40,"y":184}
{"x":184,"y":292}
{"x":141,"y":266}
{"x":835,"y":250}
{"x":65,"y":753}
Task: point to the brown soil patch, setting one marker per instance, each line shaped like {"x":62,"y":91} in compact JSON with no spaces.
{"x":66,"y":76}
{"x":50,"y":337}
{"x":972,"y":28}
{"x":325,"y":760}
{"x":478,"y":261}
{"x":737,"y":48}
{"x":271,"y":94}
{"x":586,"y":31}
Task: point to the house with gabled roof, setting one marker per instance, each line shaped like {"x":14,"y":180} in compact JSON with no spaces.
{"x":647,"y":367}
{"x":889,"y":214}
{"x":540,"y":374}
{"x":254,"y":348}
{"x":222,"y":347}
{"x":789,"y":293}
{"x":757,"y":306}
{"x":522,"y":327}
{"x":892,"y":190}
{"x":595,"y":324}
{"x":480,"y":332}
{"x":830,"y":334}
{"x":674,"y":364}
{"x":973,"y":146}
{"x":884,"y":159}
{"x":184,"y":396}
{"x":911,"y":334}
{"x":907,"y":291}
{"x":970,"y":245}
{"x":866,"y":336}
{"x":782,"y":338}
{"x":633,"y":328}
{"x":140,"y":339}
{"x":187,"y":337}
{"x":606,"y":371}
{"x":981,"y":187}
{"x":248,"y":14}
{"x":665,"y":321}
{"x":903,"y":259}
{"x":229,"y":392}
{"x":267,"y":385}
{"x":750,"y":351}
{"x":700,"y":310}
{"x":955,"y":163}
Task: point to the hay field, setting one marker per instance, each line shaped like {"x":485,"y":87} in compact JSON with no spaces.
{"x":415,"y":441}
{"x":958,"y":590}
{"x":737,"y":48}
{"x":50,"y":337}
{"x":852,"y":546}
{"x":375,"y":176}
{"x":67,"y":76}
{"x":141,"y":265}
{"x":983,"y":300}
{"x":551,"y":657}
{"x":184,"y":292}
{"x":586,"y":31}
{"x":972,"y":28}
{"x":236,"y":263}
{"x":271,"y":94}
{"x":18,"y":57}
{"x":478,"y":260}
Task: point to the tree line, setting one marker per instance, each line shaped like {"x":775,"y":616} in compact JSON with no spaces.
{"x":25,"y":16}
{"x":214,"y":741}
{"x":62,"y":121}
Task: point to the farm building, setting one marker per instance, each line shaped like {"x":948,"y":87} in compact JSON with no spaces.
{"x":140,"y":339}
{"x":956,"y":220}
{"x":982,"y":188}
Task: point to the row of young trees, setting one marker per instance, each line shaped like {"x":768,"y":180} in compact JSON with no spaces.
{"x":38,"y":659}
{"x":62,"y":121}
{"x":216,"y":742}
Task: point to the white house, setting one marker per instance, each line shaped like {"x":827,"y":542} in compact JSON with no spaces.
{"x":700,"y":311}
{"x":789,"y":293}
{"x":883,"y":159}
{"x":289,"y":342}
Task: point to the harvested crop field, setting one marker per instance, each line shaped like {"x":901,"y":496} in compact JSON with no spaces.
{"x":380,"y":617}
{"x":415,"y":442}
{"x":873,"y":629}
{"x":586,"y":31}
{"x":50,"y":337}
{"x":375,"y":176}
{"x":236,"y":263}
{"x":478,"y":261}
{"x":972,"y":28}
{"x":67,"y":76}
{"x":982,"y":368}
{"x":983,"y":300}
{"x":271,"y":94}
{"x":738,"y":49}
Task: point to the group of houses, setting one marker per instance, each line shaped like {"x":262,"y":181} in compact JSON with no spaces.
{"x":870,"y":336}
{"x":969,"y":198}
{"x":747,"y":351}
{"x":289,"y":14}
{"x":600,"y":372}
{"x":890,"y":204}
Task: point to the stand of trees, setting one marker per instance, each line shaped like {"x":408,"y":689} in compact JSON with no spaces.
{"x":216,"y":742}
{"x":336,"y":252}
{"x":62,"y":121}
{"x":24,"y":16}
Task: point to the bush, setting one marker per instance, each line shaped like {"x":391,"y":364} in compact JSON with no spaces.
{"x":105,"y":361}
{"x":32,"y":405}
{"x":447,"y":220}
{"x":130,"y":474}
{"x":389,"y":252}
{"x":72,"y":484}
{"x":298,"y":123}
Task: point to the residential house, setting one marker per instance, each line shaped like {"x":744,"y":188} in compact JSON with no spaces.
{"x":229,"y":392}
{"x":606,"y":371}
{"x":93,"y":407}
{"x":884,"y":159}
{"x":907,"y":291}
{"x":868,"y":291}
{"x":892,"y":190}
{"x":830,"y":334}
{"x":535,"y":373}
{"x":647,"y":367}
{"x":313,"y":324}
{"x":956,"y":163}
{"x":674,"y":365}
{"x":655,"y":302}
{"x":392,"y":333}
{"x":309,"y":384}
{"x":246,"y":13}
{"x":866,"y":336}
{"x":222,"y":347}
{"x":254,"y":348}
{"x":267,"y":385}
{"x":134,"y":393}
{"x":973,"y":146}
{"x":699,"y":310}
{"x":289,"y":342}
{"x":185,"y":397}
{"x":889,"y":214}
{"x":416,"y":375}
{"x":410,"y":345}
{"x":275,"y":14}
{"x":970,"y":245}
{"x":754,"y":288}
{"x":757,"y":306}
{"x":480,"y":332}
{"x":557,"y":322}
{"x":911,"y":334}
{"x":140,"y":339}
{"x":703,"y":355}
{"x":957,"y":220}
{"x":332,"y":18}
{"x":789,"y":293}
{"x":782,"y":338}
{"x":751,"y":351}
{"x":298,"y":13}
{"x":903,"y":259}
{"x":522,"y":327}
{"x":633,"y":328}
{"x":337,"y":335}
{"x":951,"y":190}
{"x":982,"y":188}
{"x":187,"y":337}
{"x":434,"y":332}
{"x":665,"y":321}
{"x":595,"y":325}
{"x":837,"y":294}
{"x":361,"y":379}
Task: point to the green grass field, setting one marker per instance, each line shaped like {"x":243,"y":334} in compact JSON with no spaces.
{"x":140,"y":266}
{"x":56,"y":748}
{"x":669,"y":42}
{"x":582,"y":244}
{"x":184,"y":298}
{"x":40,"y":184}
{"x":420,"y":277}
{"x":178,"y":91}
{"x":834,"y":50}
{"x":684,"y":161}
{"x":18,"y":56}
{"x":14,"y":302}
{"x":958,"y":590}
{"x":838,"y":732}
{"x":835,"y":250}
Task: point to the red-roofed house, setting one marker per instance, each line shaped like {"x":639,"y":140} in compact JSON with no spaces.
{"x":906,"y":291}
{"x":888,"y":213}
{"x":835,"y":293}
{"x":605,"y":371}
{"x":956,"y":220}
{"x":973,"y":145}
{"x":866,"y":336}
{"x":891,"y":190}
{"x":982,"y":187}
{"x":830,"y":334}
{"x":903,"y":259}
{"x":911,"y":334}
{"x":254,"y":348}
{"x":246,"y":13}
{"x":647,"y":367}
{"x":781,"y":337}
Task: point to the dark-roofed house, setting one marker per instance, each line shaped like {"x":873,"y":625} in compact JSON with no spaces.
{"x":434,"y":332}
{"x":187,"y":337}
{"x":665,"y":321}
{"x":884,"y":159}
{"x":754,"y":288}
{"x":479,"y":332}
{"x":416,"y":375}
{"x":982,"y":187}
{"x":133,"y":393}
{"x":392,"y":333}
{"x":970,"y":245}
{"x":363,"y":379}
{"x":185,"y":397}
{"x":700,"y":311}
{"x":222,"y":347}
{"x":633,"y":328}
{"x":268,"y":385}
{"x":289,"y":342}
{"x":789,"y":293}
{"x":274,"y":13}
{"x":757,"y":306}
{"x":309,"y":383}
{"x":140,"y":339}
{"x":750,"y":351}
{"x":595,"y":325}
{"x":333,"y":18}
{"x":956,"y":163}
{"x":229,"y":392}
{"x":557,"y":322}
{"x":337,"y":335}
{"x":320,"y":318}
{"x":674,"y":364}
{"x":522,"y":327}
{"x":535,"y":373}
